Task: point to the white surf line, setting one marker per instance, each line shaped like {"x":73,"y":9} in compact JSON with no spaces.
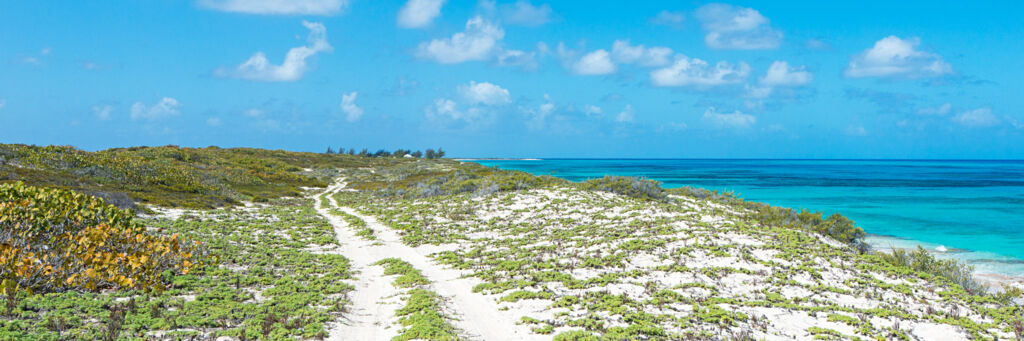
{"x":476,"y":315}
{"x":369,"y":317}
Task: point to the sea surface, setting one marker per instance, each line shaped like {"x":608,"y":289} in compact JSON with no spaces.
{"x":968,"y":210}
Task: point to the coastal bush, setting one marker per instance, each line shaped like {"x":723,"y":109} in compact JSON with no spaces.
{"x":426,"y":180}
{"x":174,"y":176}
{"x":55,"y":240}
{"x":920,"y":260}
{"x":627,"y":185}
{"x":836,"y":226}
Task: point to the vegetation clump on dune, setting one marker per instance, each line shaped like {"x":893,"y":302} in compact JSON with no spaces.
{"x":55,"y":240}
{"x":174,"y":176}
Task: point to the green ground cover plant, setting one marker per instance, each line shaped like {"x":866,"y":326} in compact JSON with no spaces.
{"x":270,"y":283}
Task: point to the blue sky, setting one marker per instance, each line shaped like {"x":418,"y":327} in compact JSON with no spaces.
{"x":866,"y":79}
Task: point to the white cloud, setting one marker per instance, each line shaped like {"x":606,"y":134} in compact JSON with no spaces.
{"x":939,"y":110}
{"x":981,"y":117}
{"x":1013,"y":122}
{"x":673,"y":19}
{"x":258,"y":68}
{"x":598,"y":62}
{"x":254,"y":112}
{"x":626,"y":115}
{"x":736,"y":119}
{"x":695,"y":72}
{"x":165,"y":108}
{"x":895,"y":57}
{"x":759,"y":92}
{"x":102,"y":112}
{"x":591,"y":110}
{"x":213,"y":121}
{"x":736,"y":28}
{"x":854,"y":130}
{"x":817,"y":44}
{"x":446,"y":108}
{"x":478,"y":42}
{"x":277,"y":7}
{"x":485,"y":93}
{"x":538,"y":117}
{"x":478,"y":106}
{"x":522,"y":12}
{"x":419,"y":13}
{"x":3,"y":103}
{"x":348,"y":105}
{"x":781,"y":74}
{"x":623,"y":52}
{"x":526,"y":60}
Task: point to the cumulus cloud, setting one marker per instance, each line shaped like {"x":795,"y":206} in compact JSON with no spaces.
{"x":623,"y":52}
{"x":258,"y":68}
{"x":3,"y":103}
{"x":444,"y":108}
{"x":523,"y":59}
{"x":102,"y":112}
{"x":419,"y":13}
{"x":522,"y":12}
{"x":591,"y":110}
{"x":213,"y":121}
{"x":736,"y":119}
{"x":479,"y":41}
{"x":979,"y":118}
{"x":479,"y":102}
{"x":898,"y":58}
{"x":781,"y":74}
{"x":538,"y":116}
{"x":627,"y":114}
{"x":695,"y":72}
{"x":348,"y":105}
{"x":484,"y":93}
{"x":736,"y":28}
{"x":939,"y":110}
{"x":598,"y":62}
{"x":277,"y":7}
{"x":166,"y":107}
{"x":666,"y":18}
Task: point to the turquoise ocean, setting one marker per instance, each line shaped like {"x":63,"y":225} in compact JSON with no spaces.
{"x":968,"y":210}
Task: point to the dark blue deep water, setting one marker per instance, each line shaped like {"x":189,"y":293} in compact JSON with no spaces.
{"x":972,"y":209}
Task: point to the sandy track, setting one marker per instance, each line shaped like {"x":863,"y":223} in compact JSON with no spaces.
{"x":477,"y":316}
{"x":369,"y":317}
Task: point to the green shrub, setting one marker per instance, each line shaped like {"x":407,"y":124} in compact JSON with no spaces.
{"x":950,"y":269}
{"x":627,"y":185}
{"x":56,"y":240}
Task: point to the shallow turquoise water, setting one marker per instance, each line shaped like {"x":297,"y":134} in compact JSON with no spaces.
{"x":974,"y":209}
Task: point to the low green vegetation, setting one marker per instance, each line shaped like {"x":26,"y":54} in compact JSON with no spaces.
{"x":268,"y":284}
{"x":355,"y":223}
{"x":174,"y":176}
{"x":408,"y":275}
{"x":421,"y":317}
{"x":654,"y":263}
{"x":643,"y":262}
{"x":627,"y":185}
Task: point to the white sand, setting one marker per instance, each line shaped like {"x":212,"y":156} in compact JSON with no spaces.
{"x":478,"y":316}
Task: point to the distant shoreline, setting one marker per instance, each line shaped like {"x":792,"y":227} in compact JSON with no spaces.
{"x":498,"y":159}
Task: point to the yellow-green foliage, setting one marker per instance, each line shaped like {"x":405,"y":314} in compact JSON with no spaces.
{"x":627,"y":185}
{"x":57,"y":240}
{"x":173,"y":176}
